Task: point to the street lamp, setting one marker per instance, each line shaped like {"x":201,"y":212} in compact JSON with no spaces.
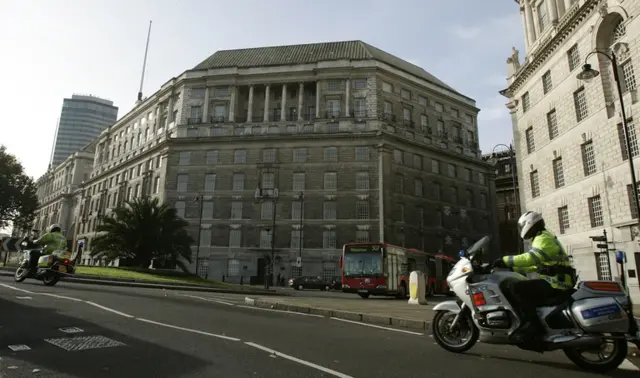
{"x":301,"y":199}
{"x":199,"y":199}
{"x":272,"y":195}
{"x":512,"y":164}
{"x":589,"y":74}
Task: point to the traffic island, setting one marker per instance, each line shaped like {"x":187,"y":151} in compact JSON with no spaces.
{"x":383,"y":312}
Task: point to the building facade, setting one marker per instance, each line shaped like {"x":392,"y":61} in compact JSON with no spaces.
{"x":572,"y":157}
{"x":311,"y":146}
{"x":82,"y":119}
{"x":507,"y":200}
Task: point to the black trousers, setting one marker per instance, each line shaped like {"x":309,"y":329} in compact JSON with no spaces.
{"x":527,"y":294}
{"x":34,"y":256}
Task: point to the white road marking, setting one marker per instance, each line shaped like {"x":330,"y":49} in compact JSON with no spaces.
{"x":188,"y":330}
{"x":627,"y":365}
{"x":302,"y":362}
{"x":109,"y":309}
{"x":208,"y":299}
{"x":61,"y":297}
{"x":16,"y":289}
{"x":280,"y":311}
{"x":19,"y":348}
{"x":23,"y":297}
{"x":380,"y":327}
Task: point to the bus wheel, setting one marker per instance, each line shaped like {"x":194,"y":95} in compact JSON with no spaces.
{"x":364,"y":295}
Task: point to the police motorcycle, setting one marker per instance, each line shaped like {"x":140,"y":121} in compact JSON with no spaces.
{"x":49,"y":269}
{"x":587,"y":320}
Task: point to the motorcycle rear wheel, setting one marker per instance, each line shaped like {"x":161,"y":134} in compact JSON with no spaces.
{"x":618,"y":355}
{"x":441,"y":332}
{"x":50,"y":279}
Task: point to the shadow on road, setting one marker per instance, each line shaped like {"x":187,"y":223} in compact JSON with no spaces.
{"x":89,"y":355}
{"x":557,"y":365}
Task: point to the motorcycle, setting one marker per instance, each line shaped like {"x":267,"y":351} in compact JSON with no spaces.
{"x":50,"y":268}
{"x":584,"y":320}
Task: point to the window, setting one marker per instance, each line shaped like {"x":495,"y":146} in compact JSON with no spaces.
{"x":265,"y":239}
{"x":405,"y":94}
{"x":439,"y":107}
{"x":333,"y":108}
{"x":156,"y":185}
{"x":183,"y":181}
{"x":269,"y":155}
{"x":300,"y":155}
{"x":296,"y":210}
{"x":628,"y":76}
{"x":387,"y":87}
{"x":437,"y":191}
{"x":552,"y":124}
{"x":330,"y":154}
{"x":240,"y":156}
{"x":212,"y":157}
{"x":233,"y":266}
{"x":362,"y":181}
{"x":210,"y":182}
{"x":453,"y":194}
{"x":388,"y":109}
{"x":417,"y":161}
{"x":363,"y":153}
{"x":298,"y":182}
{"x":558,"y":173}
{"x":362,"y":210}
{"x":424,"y":121}
{"x":469,"y":198}
{"x":397,"y":156}
{"x":595,"y":211}
{"x":360,"y":84}
{"x":236,"y":210}
{"x":525,"y":102}
{"x":185,"y":158}
{"x":205,"y":237}
{"x":329,"y":210}
{"x":435,"y":166}
{"x":633,"y":140}
{"x":180,"y":208}
{"x":481,"y":178}
{"x":588,"y":158}
{"x":334,"y":85}
{"x":632,"y":204}
{"x":547,"y":84}
{"x":401,"y":212}
{"x":451,"y":169}
{"x":297,"y":239}
{"x":219,"y":113}
{"x":235,"y":238}
{"x":417,"y":188}
{"x":563,"y":219}
{"x":483,"y":201}
{"x":330,"y":181}
{"x":268,"y":180}
{"x":580,"y":103}
{"x":573,"y":57}
{"x":207,"y":210}
{"x":266,"y":210}
{"x":467,"y":174}
{"x":531,"y":143}
{"x":422,"y":100}
{"x":399,"y":183}
{"x":329,"y":239}
{"x":196,"y":114}
{"x":221,"y":92}
{"x":362,"y":236}
{"x":535,"y":184}
{"x":543,"y":16}
{"x":406,"y":114}
{"x":238,"y":182}
{"x":195,"y":93}
{"x":360,"y":108}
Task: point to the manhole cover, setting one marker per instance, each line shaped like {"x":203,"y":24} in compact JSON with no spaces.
{"x":19,"y":348}
{"x":70,"y":330}
{"x":84,"y":343}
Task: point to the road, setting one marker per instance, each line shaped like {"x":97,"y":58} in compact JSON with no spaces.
{"x":127,"y":332}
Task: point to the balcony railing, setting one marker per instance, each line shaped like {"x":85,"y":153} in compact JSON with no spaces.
{"x":329,"y":114}
{"x":309,"y":116}
{"x":194,"y":120}
{"x":389,"y":117}
{"x":292,"y":117}
{"x":408,"y":123}
{"x":217,"y":119}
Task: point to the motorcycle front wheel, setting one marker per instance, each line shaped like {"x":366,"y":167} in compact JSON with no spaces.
{"x":608,"y":356}
{"x":458,"y":339}
{"x":21,"y":273}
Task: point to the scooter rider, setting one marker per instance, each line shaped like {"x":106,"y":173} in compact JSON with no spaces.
{"x":52,"y":241}
{"x":549,"y":260}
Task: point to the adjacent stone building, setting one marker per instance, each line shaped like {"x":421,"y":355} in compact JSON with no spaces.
{"x":572,"y":157}
{"x":331,"y":143}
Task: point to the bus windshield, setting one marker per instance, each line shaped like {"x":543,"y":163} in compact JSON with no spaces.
{"x":364,"y":264}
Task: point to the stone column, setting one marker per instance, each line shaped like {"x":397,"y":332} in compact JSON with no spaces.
{"x":205,"y":107}
{"x":531,"y":32}
{"x":300,"y":98}
{"x":535,"y":19}
{"x":250,"y":109}
{"x":524,"y":26}
{"x":318,"y":99}
{"x":232,"y":104}
{"x":283,"y":107}
{"x":266,"y":103}
{"x":347,"y":99}
{"x":552,"y":8}
{"x":567,"y":5}
{"x":561,"y":8}
{"x":170,"y":110}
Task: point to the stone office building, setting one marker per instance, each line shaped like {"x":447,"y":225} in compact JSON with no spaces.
{"x":331,"y":142}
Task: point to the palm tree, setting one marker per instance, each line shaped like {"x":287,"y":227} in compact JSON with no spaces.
{"x":142,"y":230}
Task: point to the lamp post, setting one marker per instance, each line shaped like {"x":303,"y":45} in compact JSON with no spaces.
{"x":271,"y":195}
{"x":512,"y":164}
{"x":301,"y":199}
{"x":589,"y":74}
{"x":199,"y":199}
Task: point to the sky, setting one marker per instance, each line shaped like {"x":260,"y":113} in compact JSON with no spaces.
{"x":53,"y":49}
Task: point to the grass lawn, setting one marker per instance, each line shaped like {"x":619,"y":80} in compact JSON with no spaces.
{"x":145,"y":276}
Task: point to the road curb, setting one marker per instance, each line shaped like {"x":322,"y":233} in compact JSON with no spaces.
{"x":340,"y":314}
{"x":160,"y":285}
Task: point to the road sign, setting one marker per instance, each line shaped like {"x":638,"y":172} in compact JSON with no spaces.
{"x":10,"y":244}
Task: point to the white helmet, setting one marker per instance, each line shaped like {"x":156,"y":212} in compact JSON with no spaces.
{"x":527,"y":221}
{"x":53,"y":227}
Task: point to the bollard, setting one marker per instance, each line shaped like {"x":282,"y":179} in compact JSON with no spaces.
{"x":417,"y":288}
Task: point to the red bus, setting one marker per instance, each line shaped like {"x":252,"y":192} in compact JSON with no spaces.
{"x":383,"y":269}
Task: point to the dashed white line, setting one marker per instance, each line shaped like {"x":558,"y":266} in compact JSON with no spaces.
{"x":109,"y":309}
{"x":380,"y":327}
{"x":188,"y":330}
{"x":208,"y":299}
{"x":280,"y":311}
{"x":61,"y":297}
{"x":302,"y":362}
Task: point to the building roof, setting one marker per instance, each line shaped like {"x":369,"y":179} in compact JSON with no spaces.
{"x":312,"y":53}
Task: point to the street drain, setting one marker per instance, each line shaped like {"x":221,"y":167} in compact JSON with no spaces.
{"x":84,"y":343}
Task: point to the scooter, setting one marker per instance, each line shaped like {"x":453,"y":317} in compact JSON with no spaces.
{"x":50,"y":268}
{"x":584,"y":320}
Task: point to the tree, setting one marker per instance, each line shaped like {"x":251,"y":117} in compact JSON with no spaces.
{"x":142,"y":230}
{"x":18,"y":200}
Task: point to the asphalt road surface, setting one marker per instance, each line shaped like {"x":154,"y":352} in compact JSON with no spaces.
{"x":75,"y":330}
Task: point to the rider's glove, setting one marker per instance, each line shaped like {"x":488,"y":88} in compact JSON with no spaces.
{"x":499,"y":263}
